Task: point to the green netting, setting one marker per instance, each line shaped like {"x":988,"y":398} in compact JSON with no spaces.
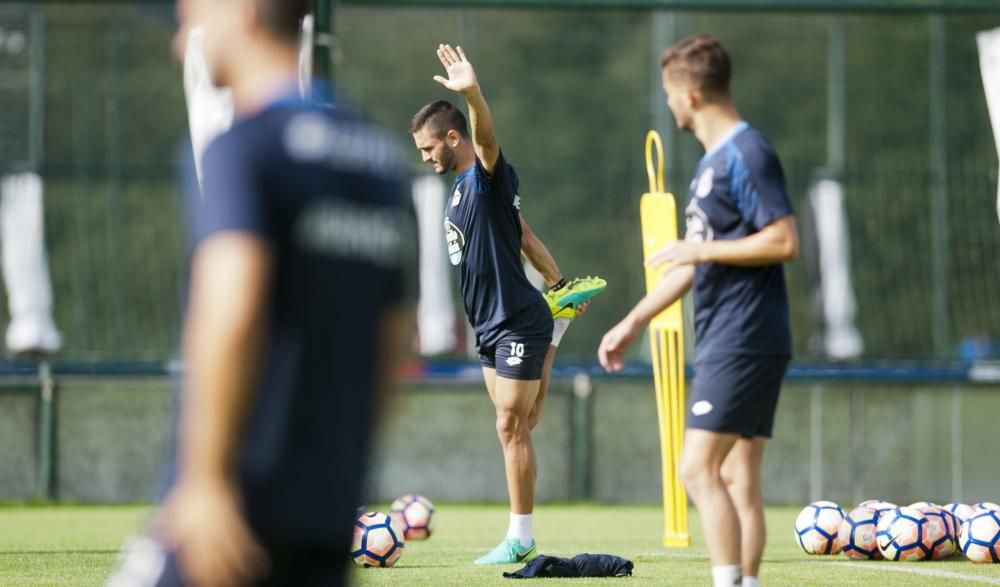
{"x":573,"y":93}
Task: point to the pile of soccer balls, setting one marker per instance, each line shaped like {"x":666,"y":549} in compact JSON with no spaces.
{"x":379,"y":539}
{"x":878,"y":529}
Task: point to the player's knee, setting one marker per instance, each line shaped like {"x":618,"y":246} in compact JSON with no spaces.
{"x":510,"y":425}
{"x":698,"y":477}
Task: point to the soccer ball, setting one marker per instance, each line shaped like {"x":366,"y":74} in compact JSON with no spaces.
{"x":907,"y":535}
{"x":921,"y":506}
{"x":878,"y":505}
{"x":817,"y":527}
{"x":980,"y":538}
{"x":961,"y":511}
{"x":415,"y":515}
{"x":857,"y":536}
{"x":378,"y":542}
{"x":943,"y":525}
{"x":987,"y":505}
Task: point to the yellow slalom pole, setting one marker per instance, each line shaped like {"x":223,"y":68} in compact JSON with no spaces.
{"x":658,"y":212}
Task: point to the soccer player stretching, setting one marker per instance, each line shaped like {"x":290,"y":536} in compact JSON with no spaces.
{"x":486,"y":236}
{"x":295,"y":316}
{"x":740,"y":230}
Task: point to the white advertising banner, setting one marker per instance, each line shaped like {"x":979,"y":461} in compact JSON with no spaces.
{"x":989,"y":62}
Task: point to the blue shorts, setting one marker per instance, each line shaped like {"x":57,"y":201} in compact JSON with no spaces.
{"x":517,"y":348}
{"x":736,"y":394}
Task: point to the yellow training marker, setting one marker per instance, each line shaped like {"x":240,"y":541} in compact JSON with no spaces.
{"x":658,"y":212}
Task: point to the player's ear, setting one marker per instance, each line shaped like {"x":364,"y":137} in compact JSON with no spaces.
{"x":452,"y":138}
{"x":694,"y":97}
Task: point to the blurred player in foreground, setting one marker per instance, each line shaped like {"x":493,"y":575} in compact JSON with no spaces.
{"x":517,"y":329}
{"x":740,"y":230}
{"x":295,"y":319}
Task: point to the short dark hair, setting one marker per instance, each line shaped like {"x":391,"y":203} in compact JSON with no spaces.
{"x":439,"y":117}
{"x":283,"y":18}
{"x":701,"y":60}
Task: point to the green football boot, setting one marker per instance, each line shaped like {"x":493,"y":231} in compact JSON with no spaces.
{"x":509,"y":552}
{"x":564,"y":301}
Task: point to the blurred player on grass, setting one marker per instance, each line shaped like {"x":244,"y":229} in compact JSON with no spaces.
{"x":295,"y":320}
{"x":517,"y":329}
{"x":740,"y":230}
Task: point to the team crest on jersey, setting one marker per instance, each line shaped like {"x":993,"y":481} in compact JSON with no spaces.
{"x":517,"y":202}
{"x":456,"y":198}
{"x":698,"y":228}
{"x":456,"y":241}
{"x":705,"y":183}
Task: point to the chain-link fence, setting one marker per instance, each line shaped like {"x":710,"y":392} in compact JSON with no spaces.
{"x":891,"y":105}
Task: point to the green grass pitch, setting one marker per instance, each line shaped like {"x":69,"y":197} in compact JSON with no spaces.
{"x":68,"y":545}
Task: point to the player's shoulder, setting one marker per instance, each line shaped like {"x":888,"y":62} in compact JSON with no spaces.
{"x":502,"y":175}
{"x":341,"y":139}
{"x":754,"y":147}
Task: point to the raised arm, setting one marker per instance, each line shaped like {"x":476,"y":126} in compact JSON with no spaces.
{"x":462,"y":79}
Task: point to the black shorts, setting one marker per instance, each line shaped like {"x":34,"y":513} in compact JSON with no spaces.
{"x":736,"y":394}
{"x":517,"y":348}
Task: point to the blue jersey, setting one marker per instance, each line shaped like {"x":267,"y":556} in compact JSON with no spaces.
{"x":325,"y":191}
{"x":483,"y":231}
{"x":739,"y":188}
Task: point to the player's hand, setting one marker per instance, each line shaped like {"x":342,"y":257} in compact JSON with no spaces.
{"x":582,"y":308}
{"x":461,"y":76}
{"x":202,"y":523}
{"x":616,"y":341}
{"x":679,"y":252}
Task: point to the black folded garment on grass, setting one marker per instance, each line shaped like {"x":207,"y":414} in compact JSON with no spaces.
{"x":581,"y":565}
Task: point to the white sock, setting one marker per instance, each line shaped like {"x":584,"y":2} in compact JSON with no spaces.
{"x":520,"y":528}
{"x":750,"y":582}
{"x":726,"y":576}
{"x":561,"y":324}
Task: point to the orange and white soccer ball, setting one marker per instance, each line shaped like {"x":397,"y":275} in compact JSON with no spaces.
{"x":378,"y":541}
{"x":858,"y":536}
{"x":980,"y":539}
{"x":415,"y":515}
{"x":943,"y":528}
{"x":817,"y":527}
{"x":879,"y":505}
{"x":907,"y":535}
{"x":961,"y":511}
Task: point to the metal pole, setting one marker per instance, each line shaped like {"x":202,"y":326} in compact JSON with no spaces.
{"x":46,"y":432}
{"x":583,"y":390}
{"x":112,"y":134}
{"x":836,"y":97}
{"x":664,"y":35}
{"x":956,"y":445}
{"x":323,"y":40}
{"x":816,"y":443}
{"x":939,"y":185}
{"x":36,"y":148}
{"x":857,"y":426}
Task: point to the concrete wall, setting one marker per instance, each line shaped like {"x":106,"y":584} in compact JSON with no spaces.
{"x":840,"y":442}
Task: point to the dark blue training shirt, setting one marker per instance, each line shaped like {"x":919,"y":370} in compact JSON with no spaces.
{"x":483,"y":233}
{"x":325,"y":191}
{"x":738,"y":189}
